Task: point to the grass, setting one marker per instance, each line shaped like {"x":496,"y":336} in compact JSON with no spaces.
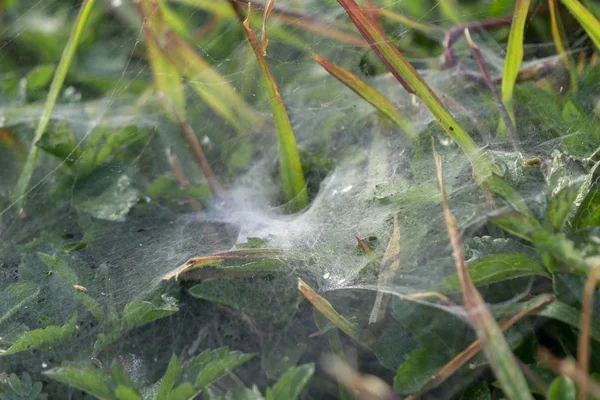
{"x":514,"y":57}
{"x":154,"y":260}
{"x":22,"y":186}
{"x":295,"y":193}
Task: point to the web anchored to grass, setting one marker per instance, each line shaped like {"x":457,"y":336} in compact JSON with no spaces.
{"x":204,"y":210}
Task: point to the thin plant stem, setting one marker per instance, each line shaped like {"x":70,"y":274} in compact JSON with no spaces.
{"x":192,"y":140}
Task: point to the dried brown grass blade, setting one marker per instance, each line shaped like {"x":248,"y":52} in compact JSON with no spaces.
{"x":264,"y":39}
{"x":585,"y":326}
{"x":389,"y":265}
{"x":569,"y":368}
{"x":495,"y":348}
{"x":471,"y":351}
{"x":190,"y":136}
{"x":365,"y":387}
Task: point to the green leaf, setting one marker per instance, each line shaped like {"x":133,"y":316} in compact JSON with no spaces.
{"x":136,"y":314}
{"x":269,"y":300}
{"x":417,"y":370}
{"x":496,"y":268}
{"x":15,"y":296}
{"x":556,"y":310}
{"x":59,"y":267}
{"x":562,"y":388}
{"x":477,"y":391}
{"x":112,"y":204}
{"x":588,"y":213}
{"x":125,"y":393}
{"x":89,"y":380}
{"x":170,"y":378}
{"x":213,"y":364}
{"x":21,"y":389}
{"x":39,"y":77}
{"x":499,"y":186}
{"x":290,"y":385}
{"x":185,"y":391}
{"x":120,"y":378}
{"x":560,"y":208}
{"x":60,"y":142}
{"x":92,"y":305}
{"x":42,"y":338}
{"x":22,"y":185}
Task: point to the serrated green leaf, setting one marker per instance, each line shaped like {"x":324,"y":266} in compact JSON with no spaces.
{"x":42,"y":338}
{"x":170,"y":378}
{"x":496,"y":268}
{"x":89,"y":380}
{"x":59,"y":267}
{"x":291,"y":384}
{"x":213,"y":364}
{"x":15,"y":296}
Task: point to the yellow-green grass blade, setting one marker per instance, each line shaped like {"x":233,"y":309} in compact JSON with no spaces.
{"x":406,"y":74}
{"x":292,"y":176}
{"x":587,"y":20}
{"x":211,"y":86}
{"x":369,"y":94}
{"x":167,"y":79}
{"x":324,"y":307}
{"x":18,"y":194}
{"x":561,"y":43}
{"x":223,"y":10}
{"x":433,"y":31}
{"x":514,"y":56}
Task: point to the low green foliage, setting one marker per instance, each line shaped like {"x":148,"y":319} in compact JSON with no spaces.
{"x":125,"y":275}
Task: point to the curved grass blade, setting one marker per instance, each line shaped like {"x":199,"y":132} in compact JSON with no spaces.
{"x":561,"y":43}
{"x":514,"y":56}
{"x":325,"y":308}
{"x":18,"y":194}
{"x":252,"y":261}
{"x":299,"y":20}
{"x":410,"y":79}
{"x":211,"y":86}
{"x":167,"y":79}
{"x":496,"y":349}
{"x":369,"y":94}
{"x":292,"y":176}
{"x":587,"y":20}
{"x":432,"y":31}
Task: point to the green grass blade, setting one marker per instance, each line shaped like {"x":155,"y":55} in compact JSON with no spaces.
{"x":514,"y":56}
{"x":433,"y":31}
{"x":587,"y":20}
{"x":18,"y":194}
{"x":561,"y":43}
{"x":369,"y":94}
{"x":406,"y":74}
{"x":292,"y":177}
